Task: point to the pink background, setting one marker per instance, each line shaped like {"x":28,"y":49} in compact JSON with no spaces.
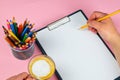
{"x":42,"y":12}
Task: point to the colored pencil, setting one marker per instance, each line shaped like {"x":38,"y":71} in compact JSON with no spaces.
{"x":25,"y":30}
{"x":20,"y":29}
{"x":19,"y":37}
{"x":10,"y":42}
{"x":30,"y":34}
{"x":28,"y":39}
{"x":24,"y":23}
{"x":8,"y":24}
{"x":25,"y":37}
{"x":12,"y":27}
{"x":12,"y":38}
{"x":15,"y":26}
{"x":5,"y":30}
{"x":12,"y":34}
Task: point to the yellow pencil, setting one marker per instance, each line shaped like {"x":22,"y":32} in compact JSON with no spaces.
{"x":13,"y":35}
{"x":103,"y":18}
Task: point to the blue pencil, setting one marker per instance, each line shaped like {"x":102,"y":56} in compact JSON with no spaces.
{"x":24,"y":31}
{"x":30,"y":34}
{"x":12,"y":27}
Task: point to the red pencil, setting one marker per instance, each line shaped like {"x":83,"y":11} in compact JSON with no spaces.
{"x":8,"y":24}
{"x":20,"y":29}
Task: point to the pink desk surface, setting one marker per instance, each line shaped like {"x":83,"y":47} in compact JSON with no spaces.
{"x":42,"y":12}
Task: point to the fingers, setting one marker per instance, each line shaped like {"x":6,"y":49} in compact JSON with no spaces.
{"x":95,"y":15}
{"x":22,"y":76}
{"x":92,"y":20}
{"x":95,"y":24}
{"x":30,"y":78}
{"x":93,"y":30}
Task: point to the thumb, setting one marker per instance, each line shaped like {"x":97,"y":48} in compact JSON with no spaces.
{"x":95,"y":24}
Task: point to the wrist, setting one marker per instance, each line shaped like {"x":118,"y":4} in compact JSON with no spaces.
{"x":115,"y":39}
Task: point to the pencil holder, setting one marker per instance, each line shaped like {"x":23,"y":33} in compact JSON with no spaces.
{"x":23,"y":54}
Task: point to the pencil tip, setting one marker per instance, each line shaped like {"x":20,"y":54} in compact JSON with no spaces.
{"x":10,"y":20}
{"x":81,"y":28}
{"x":13,"y":17}
{"x":7,"y":20}
{"x":2,"y":26}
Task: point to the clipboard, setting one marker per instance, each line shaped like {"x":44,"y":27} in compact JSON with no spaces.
{"x":78,"y":55}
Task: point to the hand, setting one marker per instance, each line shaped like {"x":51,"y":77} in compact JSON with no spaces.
{"x":21,"y":76}
{"x":107,"y":31}
{"x":105,"y":28}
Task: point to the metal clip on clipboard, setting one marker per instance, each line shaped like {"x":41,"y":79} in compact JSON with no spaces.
{"x":58,"y":23}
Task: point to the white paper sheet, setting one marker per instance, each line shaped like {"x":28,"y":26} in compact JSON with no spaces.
{"x":78,"y":54}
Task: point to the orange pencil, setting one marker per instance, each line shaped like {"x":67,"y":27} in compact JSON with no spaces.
{"x":33,"y":39}
{"x":28,"y":39}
